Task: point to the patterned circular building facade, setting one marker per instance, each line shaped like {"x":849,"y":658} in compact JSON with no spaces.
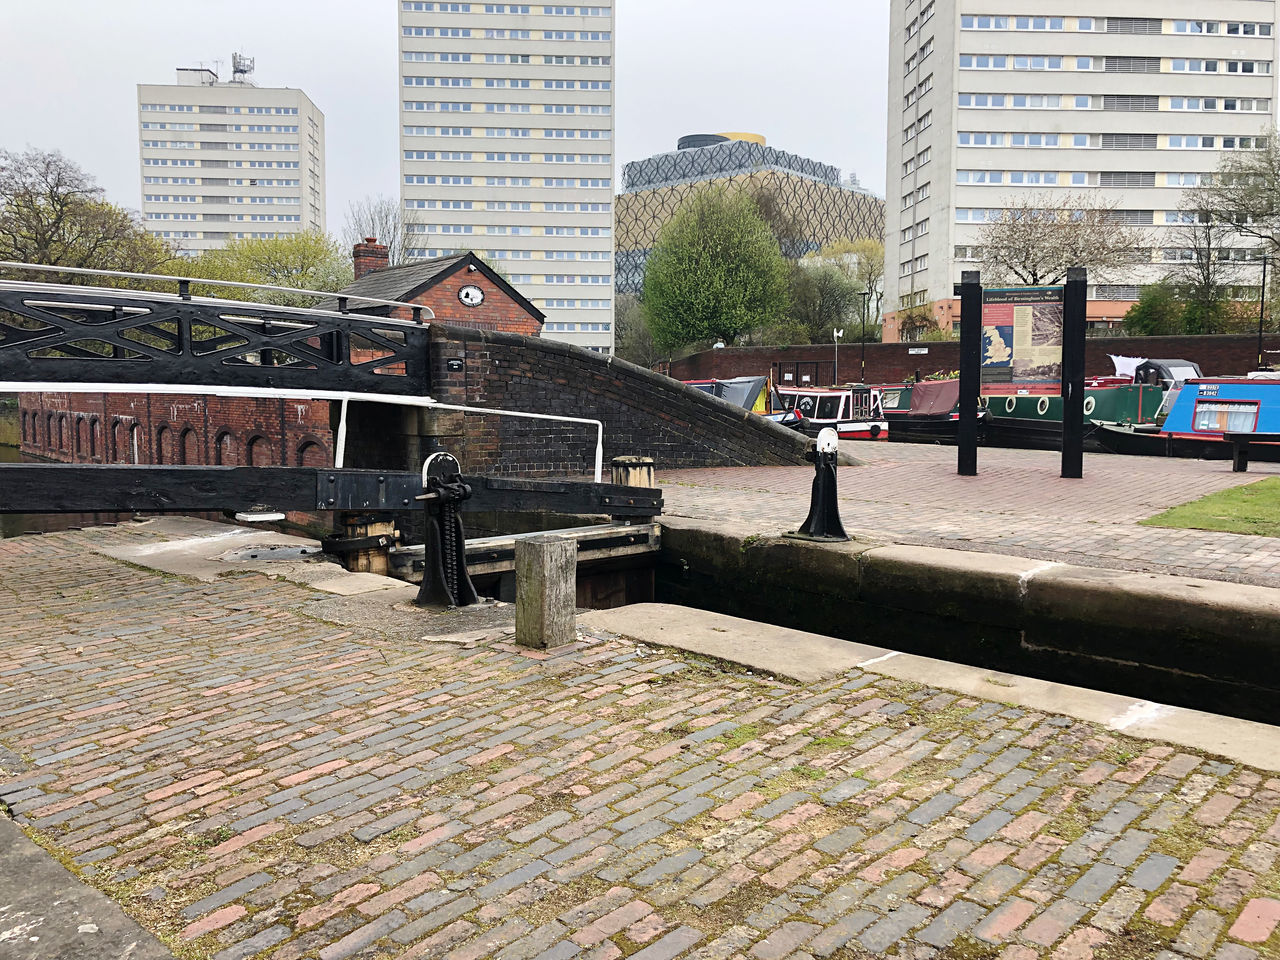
{"x":806,"y":202}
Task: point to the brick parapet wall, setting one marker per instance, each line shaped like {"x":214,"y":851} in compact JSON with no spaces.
{"x":151,"y":429}
{"x":1228,"y":355}
{"x":644,"y":413}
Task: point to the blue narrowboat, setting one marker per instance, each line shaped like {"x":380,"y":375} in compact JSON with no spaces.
{"x":1198,"y":414}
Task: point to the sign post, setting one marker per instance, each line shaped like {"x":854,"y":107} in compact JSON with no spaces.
{"x":1074,"y":312}
{"x":970,"y":289}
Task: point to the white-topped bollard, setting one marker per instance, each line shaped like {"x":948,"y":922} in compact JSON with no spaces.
{"x":546,"y":591}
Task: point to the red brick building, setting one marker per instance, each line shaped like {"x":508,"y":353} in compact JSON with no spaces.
{"x":461,"y":290}
{"x":152,"y":429}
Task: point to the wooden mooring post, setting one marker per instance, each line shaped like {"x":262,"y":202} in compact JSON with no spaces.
{"x":632,"y":471}
{"x":546,"y":591}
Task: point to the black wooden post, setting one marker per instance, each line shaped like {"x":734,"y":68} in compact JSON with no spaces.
{"x":970,"y":372}
{"x":1074,"y":309}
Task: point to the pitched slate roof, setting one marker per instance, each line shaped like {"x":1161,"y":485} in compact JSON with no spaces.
{"x":403,"y":282}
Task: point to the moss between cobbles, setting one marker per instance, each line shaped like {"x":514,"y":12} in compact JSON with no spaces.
{"x":1139,"y":940}
{"x":564,"y":897}
{"x":741,"y":735}
{"x":966,"y":948}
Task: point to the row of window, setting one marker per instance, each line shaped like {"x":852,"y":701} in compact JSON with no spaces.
{"x":1130,"y":103}
{"x":1116,"y":24}
{"x":252,"y":164}
{"x":465,"y":32}
{"x":1105,"y":178}
{"x":516,"y":9}
{"x":513,"y":132}
{"x":501,"y":230}
{"x":552,"y":59}
{"x":557,"y":326}
{"x":419,"y":106}
{"x":558,"y":304}
{"x":1108,"y":141}
{"x":1121,"y":25}
{"x":429,"y":180}
{"x":550,"y":255}
{"x":517,"y":230}
{"x":971,"y":61}
{"x":908,"y":267}
{"x":915,"y":230}
{"x":515,"y":206}
{"x":208,"y":108}
{"x":192,"y":145}
{"x":467,"y":155}
{"x":911,"y":164}
{"x":223,"y":127}
{"x":236,"y":182}
{"x":493,"y":82}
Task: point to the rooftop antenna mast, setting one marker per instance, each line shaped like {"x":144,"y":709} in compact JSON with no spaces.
{"x":241,"y":67}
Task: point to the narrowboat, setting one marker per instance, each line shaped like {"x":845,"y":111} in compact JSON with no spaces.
{"x":924,"y":412}
{"x":750,"y":393}
{"x":1036,"y":422}
{"x":1198,"y":413}
{"x":856,"y":413}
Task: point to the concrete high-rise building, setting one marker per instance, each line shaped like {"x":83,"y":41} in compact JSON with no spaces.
{"x":507,"y":149}
{"x":225,"y":160}
{"x":1129,"y":102}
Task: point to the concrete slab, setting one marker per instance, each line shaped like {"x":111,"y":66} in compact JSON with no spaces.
{"x":51,"y":915}
{"x":205,"y":550}
{"x":792,"y":654}
{"x":808,"y":657}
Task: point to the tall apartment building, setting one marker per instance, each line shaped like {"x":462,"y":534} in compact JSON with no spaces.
{"x":1127,"y":101}
{"x":225,"y":160}
{"x":507,"y":149}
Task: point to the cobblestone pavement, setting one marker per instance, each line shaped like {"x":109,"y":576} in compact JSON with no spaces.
{"x":251,"y":781}
{"x":1018,"y":504}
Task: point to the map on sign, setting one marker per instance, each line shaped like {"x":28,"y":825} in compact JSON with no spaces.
{"x":1022,"y":341}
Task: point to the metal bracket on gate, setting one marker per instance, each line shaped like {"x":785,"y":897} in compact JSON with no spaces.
{"x":365,"y":490}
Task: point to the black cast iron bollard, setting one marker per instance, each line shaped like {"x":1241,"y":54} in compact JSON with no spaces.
{"x":823,"y":523}
{"x":445,"y":581}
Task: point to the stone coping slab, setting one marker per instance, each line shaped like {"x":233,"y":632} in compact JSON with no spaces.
{"x":52,"y":915}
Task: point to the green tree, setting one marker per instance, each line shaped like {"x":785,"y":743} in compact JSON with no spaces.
{"x":633,"y":339}
{"x":715,"y":273}
{"x":52,"y":213}
{"x":823,"y":297}
{"x":309,"y":261}
{"x":1158,"y":312}
{"x":863,"y":262}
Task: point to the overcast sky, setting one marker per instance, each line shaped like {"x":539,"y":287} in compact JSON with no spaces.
{"x":808,"y":74}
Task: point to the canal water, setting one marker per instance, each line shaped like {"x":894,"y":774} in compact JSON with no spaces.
{"x":17,"y":524}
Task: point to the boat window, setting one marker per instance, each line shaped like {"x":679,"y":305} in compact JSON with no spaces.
{"x":1225,"y":416}
{"x":829,"y":407}
{"x":806,"y":404}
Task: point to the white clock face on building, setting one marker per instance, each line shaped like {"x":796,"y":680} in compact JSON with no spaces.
{"x":471,"y":295}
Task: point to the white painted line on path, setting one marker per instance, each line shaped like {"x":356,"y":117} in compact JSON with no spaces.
{"x":887,"y":656}
{"x":1141,"y":712}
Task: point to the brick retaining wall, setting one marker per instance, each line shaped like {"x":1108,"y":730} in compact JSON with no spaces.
{"x":644,"y":413}
{"x":892,"y":362}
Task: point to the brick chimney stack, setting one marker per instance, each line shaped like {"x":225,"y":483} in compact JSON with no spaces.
{"x":369,"y":256}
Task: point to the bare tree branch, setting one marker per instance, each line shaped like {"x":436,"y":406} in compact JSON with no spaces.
{"x":1038,"y":238}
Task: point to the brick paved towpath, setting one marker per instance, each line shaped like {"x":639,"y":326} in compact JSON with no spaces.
{"x":251,"y":781}
{"x":1018,"y":505}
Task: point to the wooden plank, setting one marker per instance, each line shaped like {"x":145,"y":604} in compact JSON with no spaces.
{"x":57,"y":488}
